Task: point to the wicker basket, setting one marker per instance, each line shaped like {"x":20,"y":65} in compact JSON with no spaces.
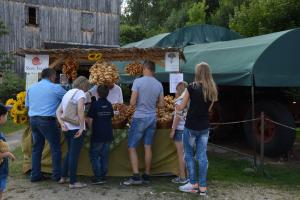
{"x":119,"y":124}
{"x":164,"y":125}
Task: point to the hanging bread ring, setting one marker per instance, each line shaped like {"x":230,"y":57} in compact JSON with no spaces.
{"x":95,"y":56}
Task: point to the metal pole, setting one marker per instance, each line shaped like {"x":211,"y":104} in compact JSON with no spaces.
{"x":262,"y":143}
{"x":253,"y":122}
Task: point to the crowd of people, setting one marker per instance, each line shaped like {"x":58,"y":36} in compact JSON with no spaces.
{"x":53,"y":110}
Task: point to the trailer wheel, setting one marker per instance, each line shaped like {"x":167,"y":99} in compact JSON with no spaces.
{"x":278,"y":139}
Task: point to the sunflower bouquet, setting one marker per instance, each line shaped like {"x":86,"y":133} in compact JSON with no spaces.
{"x":18,"y":111}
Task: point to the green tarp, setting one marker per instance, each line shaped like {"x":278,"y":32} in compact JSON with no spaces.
{"x":273,"y":60}
{"x":196,"y":34}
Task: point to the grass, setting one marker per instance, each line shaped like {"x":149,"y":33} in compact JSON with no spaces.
{"x":224,"y":170}
{"x":229,"y":170}
{"x":10,"y":127}
{"x":15,"y":167}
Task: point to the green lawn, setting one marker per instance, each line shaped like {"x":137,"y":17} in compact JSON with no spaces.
{"x":10,"y":127}
{"x":15,"y":167}
{"x":222,"y":169}
{"x":229,"y":170}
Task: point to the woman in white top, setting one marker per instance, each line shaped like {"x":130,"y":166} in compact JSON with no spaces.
{"x":177,"y":131}
{"x":74,"y":134}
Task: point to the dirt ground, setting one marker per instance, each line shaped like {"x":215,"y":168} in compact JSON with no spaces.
{"x":21,"y":189}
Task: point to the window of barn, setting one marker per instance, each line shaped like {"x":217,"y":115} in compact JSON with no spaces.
{"x":32,"y":14}
{"x":87,"y":22}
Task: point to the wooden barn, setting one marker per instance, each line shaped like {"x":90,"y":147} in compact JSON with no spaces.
{"x":54,"y":24}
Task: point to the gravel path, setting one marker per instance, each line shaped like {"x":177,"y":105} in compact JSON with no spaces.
{"x":22,"y":189}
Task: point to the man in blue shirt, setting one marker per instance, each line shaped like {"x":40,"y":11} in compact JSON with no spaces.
{"x":42,"y":100}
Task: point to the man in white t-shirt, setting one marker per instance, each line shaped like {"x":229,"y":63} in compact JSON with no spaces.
{"x":114,"y":96}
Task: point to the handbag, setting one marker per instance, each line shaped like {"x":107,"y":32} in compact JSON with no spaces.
{"x":70,"y":114}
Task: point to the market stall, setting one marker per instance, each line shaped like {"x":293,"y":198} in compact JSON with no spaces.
{"x":101,"y":70}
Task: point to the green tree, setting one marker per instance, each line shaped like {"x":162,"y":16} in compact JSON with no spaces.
{"x":197,"y":13}
{"x":130,"y":34}
{"x":177,"y":18}
{"x":11,"y":85}
{"x":157,"y":16}
{"x":5,"y":59}
{"x":265,"y":16}
{"x":221,"y":15}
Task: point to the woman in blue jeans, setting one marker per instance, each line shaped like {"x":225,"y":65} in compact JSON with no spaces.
{"x":74,"y":134}
{"x":201,"y":94}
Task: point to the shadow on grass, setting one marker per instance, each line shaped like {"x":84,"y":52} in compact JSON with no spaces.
{"x":224,"y":171}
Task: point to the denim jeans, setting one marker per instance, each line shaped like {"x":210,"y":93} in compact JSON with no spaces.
{"x":71,"y":160}
{"x":99,"y":157}
{"x":195,"y":146}
{"x":45,"y":129}
{"x":141,"y":128}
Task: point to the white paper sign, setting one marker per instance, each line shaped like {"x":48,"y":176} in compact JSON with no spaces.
{"x":31,"y":78}
{"x":172,"y":62}
{"x":36,"y":63}
{"x":174,"y":80}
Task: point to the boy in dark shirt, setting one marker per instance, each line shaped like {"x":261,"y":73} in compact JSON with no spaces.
{"x":5,"y":153}
{"x":100,"y":119}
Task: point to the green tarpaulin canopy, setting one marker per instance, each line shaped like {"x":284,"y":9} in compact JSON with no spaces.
{"x":273,"y":60}
{"x":150,"y":42}
{"x":196,"y":34}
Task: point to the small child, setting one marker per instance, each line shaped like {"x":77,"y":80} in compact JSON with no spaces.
{"x":100,"y":119}
{"x":177,"y":131}
{"x":4,"y":153}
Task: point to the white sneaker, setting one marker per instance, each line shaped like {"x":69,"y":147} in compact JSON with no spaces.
{"x":77,"y":185}
{"x":191,"y":188}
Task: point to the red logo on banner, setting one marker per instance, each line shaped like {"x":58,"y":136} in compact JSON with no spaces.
{"x":36,"y":61}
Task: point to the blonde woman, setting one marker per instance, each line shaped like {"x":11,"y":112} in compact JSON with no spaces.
{"x":74,"y":134}
{"x":201,"y":94}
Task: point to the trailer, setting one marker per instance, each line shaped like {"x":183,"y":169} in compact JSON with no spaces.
{"x":253,"y":75}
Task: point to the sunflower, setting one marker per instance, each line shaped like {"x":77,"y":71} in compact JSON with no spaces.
{"x":19,"y":108}
{"x":21,"y":96}
{"x":13,"y":113}
{"x":10,"y":102}
{"x":15,"y":119}
{"x":23,"y":119}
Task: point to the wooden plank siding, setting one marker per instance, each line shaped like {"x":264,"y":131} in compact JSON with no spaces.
{"x":59,"y":21}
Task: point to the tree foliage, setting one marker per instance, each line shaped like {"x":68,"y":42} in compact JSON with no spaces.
{"x":265,"y":16}
{"x":5,"y":58}
{"x":221,"y":15}
{"x":197,"y":13}
{"x":130,"y":34}
{"x":248,"y":17}
{"x":11,"y":85}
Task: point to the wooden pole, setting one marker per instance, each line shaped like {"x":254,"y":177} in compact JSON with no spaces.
{"x":253,"y":122}
{"x":262,"y":138}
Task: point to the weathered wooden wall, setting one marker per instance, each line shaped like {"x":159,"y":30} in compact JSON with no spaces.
{"x":59,"y":21}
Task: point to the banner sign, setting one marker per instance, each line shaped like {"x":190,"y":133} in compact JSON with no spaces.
{"x":36,"y":63}
{"x":172,"y":61}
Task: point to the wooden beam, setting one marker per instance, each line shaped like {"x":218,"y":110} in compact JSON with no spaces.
{"x":57,"y":61}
